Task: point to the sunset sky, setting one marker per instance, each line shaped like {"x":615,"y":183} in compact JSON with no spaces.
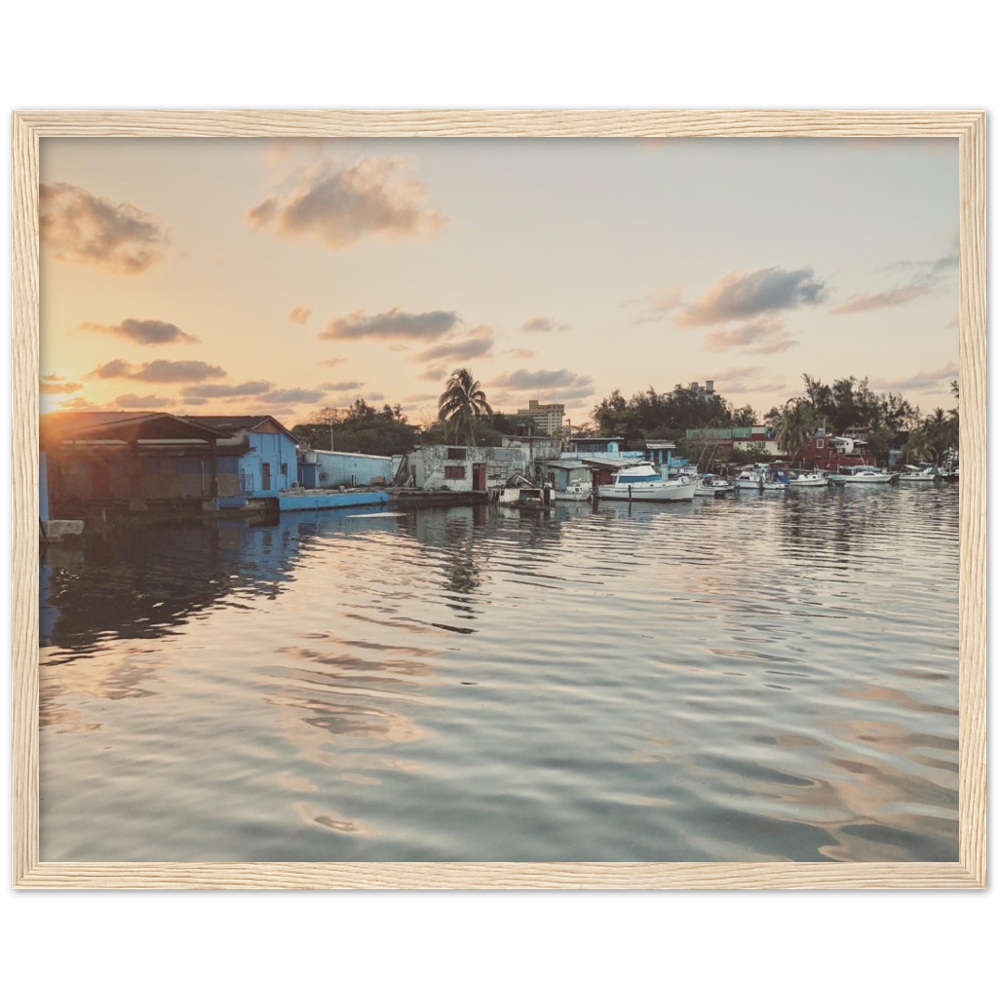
{"x":270,"y":276}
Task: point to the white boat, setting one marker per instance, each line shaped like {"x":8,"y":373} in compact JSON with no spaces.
{"x":641,"y":482}
{"x":748,"y":479}
{"x":809,"y":479}
{"x":773,"y":485}
{"x":913,"y":474}
{"x":576,"y":491}
{"x":710,"y":486}
{"x":867,"y":475}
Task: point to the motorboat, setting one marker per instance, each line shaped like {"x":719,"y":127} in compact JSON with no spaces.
{"x":641,"y":482}
{"x":576,"y":491}
{"x":710,"y":486}
{"x":749,"y":479}
{"x":915,"y":474}
{"x":761,"y":479}
{"x":808,"y":479}
{"x":868,"y":475}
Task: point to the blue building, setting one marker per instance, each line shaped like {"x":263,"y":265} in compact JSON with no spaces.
{"x":259,"y":450}
{"x":595,"y":446}
{"x":333,"y":469}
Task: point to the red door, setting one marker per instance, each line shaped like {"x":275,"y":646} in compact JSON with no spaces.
{"x":478,"y":476}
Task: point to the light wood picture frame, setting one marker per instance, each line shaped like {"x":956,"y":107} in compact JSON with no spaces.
{"x":967,"y":126}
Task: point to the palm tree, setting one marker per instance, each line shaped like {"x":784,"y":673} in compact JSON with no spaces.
{"x":462,"y":403}
{"x":918,"y":446}
{"x":795,"y":427}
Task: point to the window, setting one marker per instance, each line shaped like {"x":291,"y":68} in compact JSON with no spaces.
{"x":284,"y":468}
{"x":454,"y":472}
{"x":820,"y":443}
{"x":458,"y":453}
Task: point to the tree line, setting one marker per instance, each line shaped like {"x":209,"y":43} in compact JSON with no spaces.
{"x":847,"y":406}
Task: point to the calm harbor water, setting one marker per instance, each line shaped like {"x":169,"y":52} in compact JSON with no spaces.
{"x":751,"y":678}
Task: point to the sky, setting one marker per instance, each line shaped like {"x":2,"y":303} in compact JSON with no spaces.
{"x":214,"y":276}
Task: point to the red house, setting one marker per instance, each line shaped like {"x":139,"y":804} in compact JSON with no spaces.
{"x":830,"y":452}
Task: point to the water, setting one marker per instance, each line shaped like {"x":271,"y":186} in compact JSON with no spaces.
{"x":757,"y":678}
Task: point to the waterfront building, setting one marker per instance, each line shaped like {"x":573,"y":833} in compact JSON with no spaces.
{"x":830,"y":452}
{"x":465,"y":468}
{"x":107,"y":461}
{"x":660,"y":453}
{"x":596,"y":445}
{"x":759,"y":435}
{"x":319,"y":469}
{"x":265,"y":452}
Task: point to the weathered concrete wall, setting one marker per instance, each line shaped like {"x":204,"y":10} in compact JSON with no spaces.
{"x":431,"y":465}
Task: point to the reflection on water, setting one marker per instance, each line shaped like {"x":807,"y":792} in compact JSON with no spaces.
{"x":758,"y":678}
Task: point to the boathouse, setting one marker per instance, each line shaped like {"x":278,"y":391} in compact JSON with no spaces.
{"x":101,"y":461}
{"x":257,"y":449}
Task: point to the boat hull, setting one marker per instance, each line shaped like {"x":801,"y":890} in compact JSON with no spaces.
{"x":867,"y":480}
{"x":655,"y":492}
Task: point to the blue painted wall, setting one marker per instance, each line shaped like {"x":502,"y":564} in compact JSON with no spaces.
{"x":343,"y":468}
{"x":326,"y":501}
{"x":275,"y":450}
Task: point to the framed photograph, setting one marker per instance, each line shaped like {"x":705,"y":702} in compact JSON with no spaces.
{"x":510,"y":499}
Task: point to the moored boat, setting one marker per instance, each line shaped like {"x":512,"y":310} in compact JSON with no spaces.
{"x":914,"y":474}
{"x":748,"y":479}
{"x":711,"y":486}
{"x":808,"y":479}
{"x":868,"y":475}
{"x":575,"y":491}
{"x":641,"y":482}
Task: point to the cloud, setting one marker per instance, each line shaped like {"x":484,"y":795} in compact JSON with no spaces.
{"x":881,"y":300}
{"x":56,"y":385}
{"x":159,"y":371}
{"x":545,"y":324}
{"x":130,"y":401}
{"x":300,"y":315}
{"x":338,"y":205}
{"x":521,"y":352}
{"x":333,"y":362}
{"x":928,"y":271}
{"x":79,"y":403}
{"x":144,"y":331}
{"x":559,"y":386}
{"x":478,"y":344}
{"x":220,"y":391}
{"x":656,"y":306}
{"x":293,"y":396}
{"x":925,"y":276}
{"x":741,"y":296}
{"x":434,"y":374}
{"x":752,"y":379}
{"x":195,"y":400}
{"x":84,"y":228}
{"x":376,"y":397}
{"x":393,"y":324}
{"x":760,"y":337}
{"x":341,"y":386}
{"x":933,"y":379}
